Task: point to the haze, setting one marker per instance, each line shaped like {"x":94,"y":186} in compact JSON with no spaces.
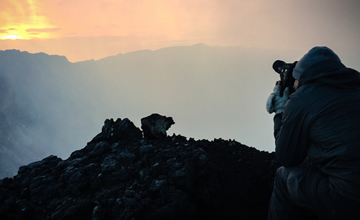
{"x":213,"y":99}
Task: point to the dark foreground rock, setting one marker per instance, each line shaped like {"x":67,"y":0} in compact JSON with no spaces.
{"x":120,"y":175}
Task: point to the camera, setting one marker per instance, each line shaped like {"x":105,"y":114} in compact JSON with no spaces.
{"x":286,"y":79}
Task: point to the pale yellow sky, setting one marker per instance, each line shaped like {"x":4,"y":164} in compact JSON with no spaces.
{"x":93,"y":29}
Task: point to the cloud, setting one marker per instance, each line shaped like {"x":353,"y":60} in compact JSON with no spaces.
{"x":13,"y":11}
{"x":22,"y":17}
{"x":251,"y":23}
{"x":43,"y":30}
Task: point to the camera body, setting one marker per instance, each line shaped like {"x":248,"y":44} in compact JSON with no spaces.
{"x":286,"y":79}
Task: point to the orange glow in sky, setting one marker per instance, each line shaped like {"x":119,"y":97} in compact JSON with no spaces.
{"x":22,"y":20}
{"x":93,"y":29}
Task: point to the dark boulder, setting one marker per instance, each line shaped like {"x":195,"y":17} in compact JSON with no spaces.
{"x":155,"y":126}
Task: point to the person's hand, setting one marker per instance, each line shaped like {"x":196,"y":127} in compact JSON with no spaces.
{"x":275,"y":103}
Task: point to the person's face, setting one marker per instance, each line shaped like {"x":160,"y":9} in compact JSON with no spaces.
{"x":296,"y":84}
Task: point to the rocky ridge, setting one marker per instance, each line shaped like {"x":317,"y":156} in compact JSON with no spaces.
{"x":124,"y":174}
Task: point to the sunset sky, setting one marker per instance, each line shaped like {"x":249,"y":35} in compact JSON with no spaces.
{"x":94,"y":29}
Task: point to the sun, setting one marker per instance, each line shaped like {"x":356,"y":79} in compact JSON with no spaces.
{"x":11,"y":37}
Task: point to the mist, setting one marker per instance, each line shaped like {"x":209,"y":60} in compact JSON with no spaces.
{"x":53,"y":106}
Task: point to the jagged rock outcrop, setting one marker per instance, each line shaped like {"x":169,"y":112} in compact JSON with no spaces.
{"x":121,"y":175}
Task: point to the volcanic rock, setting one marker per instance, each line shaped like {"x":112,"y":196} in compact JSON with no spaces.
{"x":120,"y":129}
{"x":120,"y":175}
{"x":155,"y":126}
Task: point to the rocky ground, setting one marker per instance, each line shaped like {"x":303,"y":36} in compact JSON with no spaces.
{"x":122,"y":175}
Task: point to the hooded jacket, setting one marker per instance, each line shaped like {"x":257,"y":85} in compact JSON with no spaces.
{"x":320,"y":126}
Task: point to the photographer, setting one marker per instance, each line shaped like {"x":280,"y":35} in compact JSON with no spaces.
{"x":317,"y":136}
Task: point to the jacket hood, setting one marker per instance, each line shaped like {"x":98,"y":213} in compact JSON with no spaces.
{"x":315,"y":55}
{"x":332,"y":73}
